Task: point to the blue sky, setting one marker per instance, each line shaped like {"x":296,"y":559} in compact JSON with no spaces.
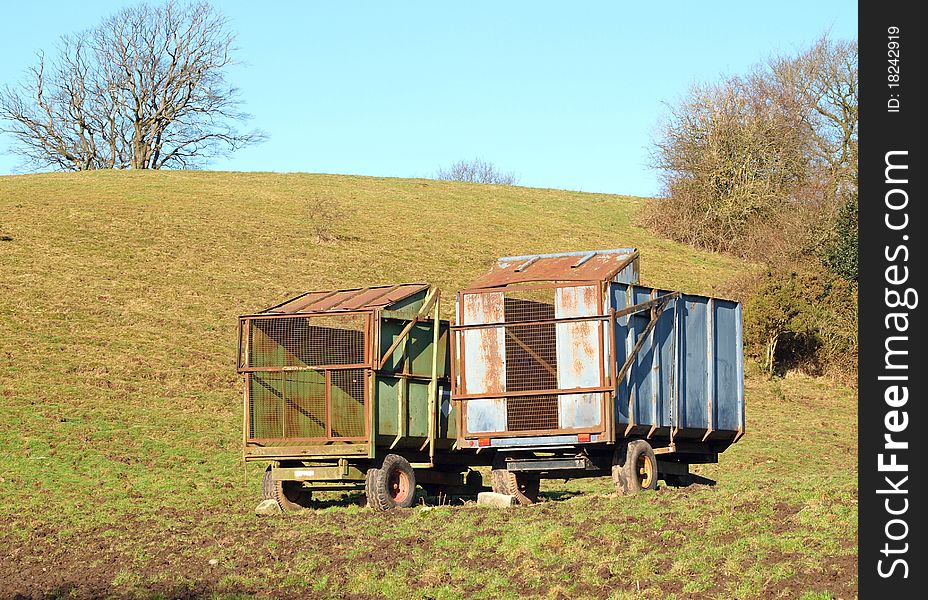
{"x":566,"y":95}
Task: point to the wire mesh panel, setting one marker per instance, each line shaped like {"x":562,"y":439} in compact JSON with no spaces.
{"x":531,"y":360}
{"x":529,"y":305}
{"x":553,"y":358}
{"x":531,"y":357}
{"x":347,"y":389}
{"x":306,"y":377}
{"x":531,"y":413}
{"x":307,"y":341}
{"x":288,"y":405}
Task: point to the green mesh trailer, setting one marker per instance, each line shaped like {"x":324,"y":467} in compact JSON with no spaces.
{"x":349,"y":390}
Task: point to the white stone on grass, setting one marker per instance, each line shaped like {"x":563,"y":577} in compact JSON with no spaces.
{"x":494,"y":499}
{"x":268,"y":507}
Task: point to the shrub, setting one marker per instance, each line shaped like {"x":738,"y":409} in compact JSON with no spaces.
{"x":476,"y":171}
{"x":804,"y":320}
{"x":324,"y":213}
{"x":841,"y":254}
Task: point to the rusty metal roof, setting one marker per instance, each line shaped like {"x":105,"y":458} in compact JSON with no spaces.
{"x":366,"y":298}
{"x":589,"y":265}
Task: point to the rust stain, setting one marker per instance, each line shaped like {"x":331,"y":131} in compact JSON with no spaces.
{"x":479,"y":309}
{"x":602,"y":267}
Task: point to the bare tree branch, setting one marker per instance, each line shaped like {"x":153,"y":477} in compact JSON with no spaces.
{"x":476,"y":171}
{"x":145,"y":89}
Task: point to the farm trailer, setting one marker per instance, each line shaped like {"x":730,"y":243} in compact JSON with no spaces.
{"x":564,"y":366}
{"x":349,"y":390}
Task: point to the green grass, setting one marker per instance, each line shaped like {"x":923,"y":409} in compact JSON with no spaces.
{"x":120,"y":457}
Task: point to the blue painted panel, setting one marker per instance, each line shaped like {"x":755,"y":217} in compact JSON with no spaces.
{"x":694,"y":359}
{"x":622,"y":348}
{"x":643,"y":383}
{"x":708,"y":349}
{"x":727,"y":366}
{"x":663,"y":333}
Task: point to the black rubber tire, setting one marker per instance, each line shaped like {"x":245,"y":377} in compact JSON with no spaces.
{"x":369,"y":478}
{"x":640,"y":469}
{"x":618,"y":469}
{"x":525,"y":489}
{"x":393,"y":485}
{"x":290,"y":495}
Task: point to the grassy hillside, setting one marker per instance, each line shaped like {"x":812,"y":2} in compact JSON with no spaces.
{"x":120,"y":461}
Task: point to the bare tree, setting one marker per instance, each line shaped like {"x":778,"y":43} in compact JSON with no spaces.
{"x":822,"y":84}
{"x":762,"y":165}
{"x":476,"y":171}
{"x":730,"y":161}
{"x":145,"y":89}
{"x":324,"y":214}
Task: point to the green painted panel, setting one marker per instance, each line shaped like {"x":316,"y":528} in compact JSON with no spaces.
{"x":418,"y":424}
{"x":387,"y":390}
{"x":347,"y":397}
{"x":412,"y":304}
{"x":417,"y":348}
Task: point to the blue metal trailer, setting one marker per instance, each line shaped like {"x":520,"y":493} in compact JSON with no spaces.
{"x":564,"y":365}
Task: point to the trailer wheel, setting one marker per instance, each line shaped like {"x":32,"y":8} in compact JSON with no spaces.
{"x":290,"y":495}
{"x":370,"y":479}
{"x":638,"y":471}
{"x":618,"y":469}
{"x":525,"y":489}
{"x":393,"y":485}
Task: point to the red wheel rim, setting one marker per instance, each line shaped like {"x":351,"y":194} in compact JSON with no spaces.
{"x":399,"y":486}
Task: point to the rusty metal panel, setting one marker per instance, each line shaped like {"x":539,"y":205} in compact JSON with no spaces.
{"x":486,"y":415}
{"x":524,"y":347}
{"x":355,"y":299}
{"x":579,"y":353}
{"x":484,"y":360}
{"x":591,"y":265}
{"x":484,"y":349}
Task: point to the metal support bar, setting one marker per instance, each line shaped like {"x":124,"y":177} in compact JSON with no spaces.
{"x":433,"y":384}
{"x":514,"y":394}
{"x":532,"y":353}
{"x":306,"y":452}
{"x":400,"y":339}
{"x":637,"y":308}
{"x":666,"y":449}
{"x":302,"y":368}
{"x":526,"y":264}
{"x":655,"y":378}
{"x":550,"y":464}
{"x":531,"y":323}
{"x":633,"y":355}
{"x":674,"y":379}
{"x":710,"y":370}
{"x":583,"y":260}
{"x":400,"y":412}
{"x":426,"y":306}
